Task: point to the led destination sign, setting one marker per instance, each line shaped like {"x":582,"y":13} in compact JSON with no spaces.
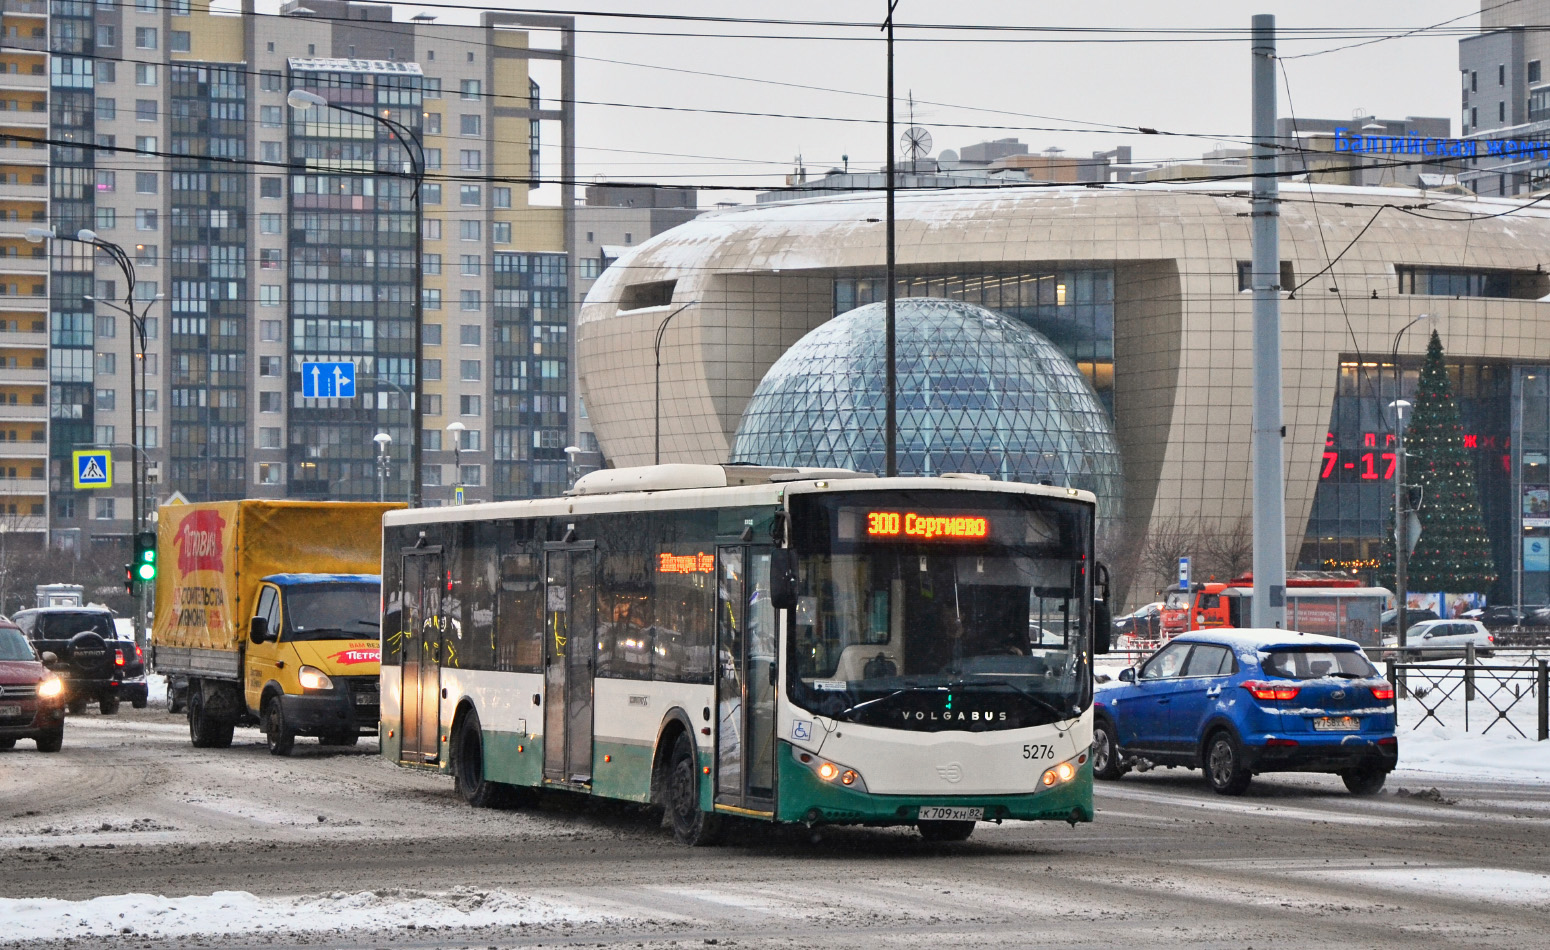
{"x":918,"y":527}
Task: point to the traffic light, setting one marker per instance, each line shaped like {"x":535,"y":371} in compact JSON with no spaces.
{"x":129,"y":579}
{"x":145,"y":557}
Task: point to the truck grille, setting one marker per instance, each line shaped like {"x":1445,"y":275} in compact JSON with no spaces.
{"x":364,"y":693}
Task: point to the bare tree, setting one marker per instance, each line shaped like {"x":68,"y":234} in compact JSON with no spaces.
{"x":1226,"y":551}
{"x":1168,"y":540}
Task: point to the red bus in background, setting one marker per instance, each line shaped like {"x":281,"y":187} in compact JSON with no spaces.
{"x":1332,"y":604}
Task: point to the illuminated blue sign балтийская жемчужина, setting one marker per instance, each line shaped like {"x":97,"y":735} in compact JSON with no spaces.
{"x":1347,"y":140}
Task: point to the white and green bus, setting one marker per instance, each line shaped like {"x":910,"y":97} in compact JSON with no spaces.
{"x":782,"y":645}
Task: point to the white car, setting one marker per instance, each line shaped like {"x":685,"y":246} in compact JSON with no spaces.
{"x":1434,"y":638}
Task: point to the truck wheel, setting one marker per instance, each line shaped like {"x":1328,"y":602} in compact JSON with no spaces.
{"x":177,"y":699}
{"x":204,"y":731}
{"x":281,"y":738}
{"x":108,"y":705}
{"x":52,"y":740}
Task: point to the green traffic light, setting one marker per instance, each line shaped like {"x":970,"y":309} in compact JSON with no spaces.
{"x":146,"y":572}
{"x":148,"y":556}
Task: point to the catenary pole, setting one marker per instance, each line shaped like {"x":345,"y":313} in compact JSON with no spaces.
{"x":890,"y":396}
{"x":1269,"y":608}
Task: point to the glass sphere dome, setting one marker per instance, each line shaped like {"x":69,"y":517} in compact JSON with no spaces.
{"x":977,"y":392}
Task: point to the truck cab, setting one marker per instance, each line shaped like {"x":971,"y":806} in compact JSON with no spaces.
{"x":312,"y":658}
{"x":1197,"y":607}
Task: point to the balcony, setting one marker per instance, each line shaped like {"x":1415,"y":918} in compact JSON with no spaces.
{"x":20,"y":413}
{"x":32,"y":266}
{"x":25,"y":376}
{"x":24,"y":302}
{"x":23,"y":486}
{"x":23,"y":114}
{"x":23,"y":450}
{"x":30,"y":82}
{"x":24,"y":191}
{"x":38,"y":44}
{"x":26,"y":8}
{"x":22,"y":155}
{"x":23,"y":524}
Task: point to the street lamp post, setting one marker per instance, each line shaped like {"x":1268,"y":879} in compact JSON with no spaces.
{"x":656,"y":425}
{"x":301,"y":100}
{"x":1401,"y":522}
{"x":456,"y":428}
{"x":571,"y":451}
{"x":384,"y":460}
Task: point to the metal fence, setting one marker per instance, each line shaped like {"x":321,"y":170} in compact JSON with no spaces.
{"x":1508,"y":691}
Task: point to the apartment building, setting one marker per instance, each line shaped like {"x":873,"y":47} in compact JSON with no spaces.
{"x":264,"y":238}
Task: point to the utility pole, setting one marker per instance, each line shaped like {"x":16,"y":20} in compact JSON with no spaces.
{"x":890,"y":397}
{"x":1269,"y":608}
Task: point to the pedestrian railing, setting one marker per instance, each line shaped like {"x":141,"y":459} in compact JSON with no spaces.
{"x":1508,"y":691}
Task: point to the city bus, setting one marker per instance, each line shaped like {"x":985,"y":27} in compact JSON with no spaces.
{"x":731,"y":642}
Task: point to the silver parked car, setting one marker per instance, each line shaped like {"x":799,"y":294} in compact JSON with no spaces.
{"x":1446,"y":638}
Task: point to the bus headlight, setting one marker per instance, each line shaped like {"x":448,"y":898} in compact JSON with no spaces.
{"x":831,"y":772}
{"x":311,"y":677}
{"x":1062,"y":773}
{"x":51,"y":687}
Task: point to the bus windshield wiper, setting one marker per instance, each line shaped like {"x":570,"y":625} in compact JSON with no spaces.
{"x":1044,"y":704}
{"x":887,"y":696}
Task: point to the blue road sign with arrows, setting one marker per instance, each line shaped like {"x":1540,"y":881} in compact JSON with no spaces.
{"x":327,"y":380}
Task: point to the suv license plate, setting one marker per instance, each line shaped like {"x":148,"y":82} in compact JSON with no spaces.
{"x":1336,"y":724}
{"x":946,"y":813}
{"x":10,"y":712}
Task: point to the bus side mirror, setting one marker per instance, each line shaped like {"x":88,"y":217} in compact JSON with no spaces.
{"x":1103,"y":627}
{"x":783,"y":579}
{"x":258,"y":630}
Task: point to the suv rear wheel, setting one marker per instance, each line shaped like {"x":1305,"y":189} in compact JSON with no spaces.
{"x":1364,"y":781}
{"x":108,"y":705}
{"x":1225,"y":767}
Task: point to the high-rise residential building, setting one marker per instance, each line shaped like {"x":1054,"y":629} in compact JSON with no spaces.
{"x":265,"y":238}
{"x":1506,"y":99}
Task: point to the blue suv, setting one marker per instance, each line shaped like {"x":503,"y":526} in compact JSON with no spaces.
{"x":1236,"y":703}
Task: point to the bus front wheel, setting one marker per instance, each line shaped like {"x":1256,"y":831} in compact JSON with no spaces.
{"x":468,"y":771}
{"x":691,"y":825}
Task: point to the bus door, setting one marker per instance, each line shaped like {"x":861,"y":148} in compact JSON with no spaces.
{"x":570,"y":633}
{"x":747,"y":670}
{"x":420,"y":626}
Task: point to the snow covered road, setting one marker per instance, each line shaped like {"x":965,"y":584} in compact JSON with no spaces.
{"x":131,"y":838}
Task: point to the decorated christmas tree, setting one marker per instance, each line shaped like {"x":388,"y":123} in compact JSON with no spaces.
{"x":1453,"y":554}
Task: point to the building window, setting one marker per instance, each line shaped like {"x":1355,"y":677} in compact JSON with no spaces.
{"x":269,"y":437}
{"x":590,"y":268}
{"x":468,"y":124}
{"x":1474,"y":117}
{"x":469,"y":334}
{"x":431,"y":123}
{"x":145,"y":74}
{"x":107,"y":364}
{"x":430,"y":193}
{"x":146,"y":254}
{"x":107,"y":324}
{"x":269,"y":473}
{"x":145,"y":144}
{"x":145,"y":37}
{"x":468,"y":230}
{"x":432,"y":229}
{"x":430,"y":88}
{"x":145,"y":110}
{"x":431,"y":334}
{"x":269,"y":295}
{"x":1533,"y":71}
{"x":105,"y":399}
{"x":270,"y":80}
{"x":500,"y":197}
{"x":470,"y":159}
{"x":106,"y":37}
{"x":107,"y":219}
{"x":471,"y":265}
{"x":270,"y":152}
{"x":269,"y":188}
{"x":432,"y":369}
{"x":468,"y":195}
{"x":468,"y":88}
{"x":1501,"y":112}
{"x":1461,"y":282}
{"x":472,"y":475}
{"x":269,"y":258}
{"x":467,"y":405}
{"x":145,"y":183}
{"x":431,"y":474}
{"x":433,"y":159}
{"x":107,"y":71}
{"x":268,"y":402}
{"x":269,"y":366}
{"x":430,"y":264}
{"x":181,"y":41}
{"x":145,"y":219}
{"x":433,"y":404}
{"x":269,"y":331}
{"x":145,"y":291}
{"x":1245,"y":272}
{"x":107,"y":109}
{"x":270,"y":117}
{"x":1501,"y":74}
{"x":469,"y":302}
{"x":430,"y":299}
{"x":269,"y":223}
{"x":500,"y":232}
{"x":102,"y":508}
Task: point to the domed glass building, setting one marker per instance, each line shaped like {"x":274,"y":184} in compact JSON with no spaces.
{"x":977,"y":392}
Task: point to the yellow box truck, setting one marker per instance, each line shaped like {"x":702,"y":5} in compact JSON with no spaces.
{"x":267,"y":613}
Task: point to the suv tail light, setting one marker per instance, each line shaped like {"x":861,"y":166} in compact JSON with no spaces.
{"x":1490,"y":638}
{"x":118,"y":656}
{"x":139,"y":653}
{"x":1271,"y":692}
{"x":1383,"y":692}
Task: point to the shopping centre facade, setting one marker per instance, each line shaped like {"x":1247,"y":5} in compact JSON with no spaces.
{"x":1144,"y":287}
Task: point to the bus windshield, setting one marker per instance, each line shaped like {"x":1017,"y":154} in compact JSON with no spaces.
{"x":930,"y":610}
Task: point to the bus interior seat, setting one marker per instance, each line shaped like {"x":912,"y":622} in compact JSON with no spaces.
{"x":855,"y":659}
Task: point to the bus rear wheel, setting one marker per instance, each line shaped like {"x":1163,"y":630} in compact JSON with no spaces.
{"x":936,"y":831}
{"x":691,"y":825}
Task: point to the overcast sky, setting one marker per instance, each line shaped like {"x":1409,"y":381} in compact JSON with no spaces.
{"x":1043,"y":91}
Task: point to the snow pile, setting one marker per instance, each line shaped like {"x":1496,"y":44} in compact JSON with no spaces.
{"x":238,"y":912}
{"x":1499,"y":754}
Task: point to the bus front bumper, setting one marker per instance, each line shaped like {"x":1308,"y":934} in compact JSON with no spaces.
{"x":806,"y":798}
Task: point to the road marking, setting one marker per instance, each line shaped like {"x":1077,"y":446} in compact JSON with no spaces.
{"x":1263,"y":810}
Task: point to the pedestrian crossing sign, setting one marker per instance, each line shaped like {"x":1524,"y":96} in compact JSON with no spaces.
{"x":93,"y":468}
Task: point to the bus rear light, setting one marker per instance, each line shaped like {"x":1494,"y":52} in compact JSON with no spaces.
{"x":1271,"y":692}
{"x":1383,"y":692}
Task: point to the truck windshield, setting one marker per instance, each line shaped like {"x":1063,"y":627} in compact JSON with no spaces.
{"x":332,"y":611}
{"x":934,"y":610}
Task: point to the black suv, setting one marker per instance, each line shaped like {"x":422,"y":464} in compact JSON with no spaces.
{"x":95,"y":665}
